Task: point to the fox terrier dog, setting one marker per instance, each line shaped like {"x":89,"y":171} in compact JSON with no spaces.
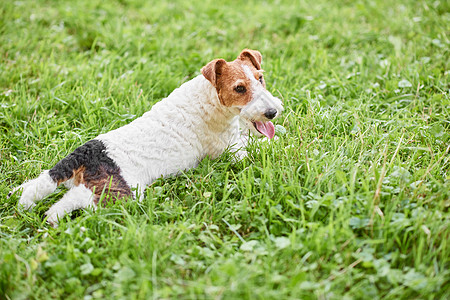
{"x":200,"y":118}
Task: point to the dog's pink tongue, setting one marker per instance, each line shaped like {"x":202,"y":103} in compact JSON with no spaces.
{"x":266,"y":128}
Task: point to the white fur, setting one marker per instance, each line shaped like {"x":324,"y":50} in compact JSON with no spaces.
{"x":175,"y":135}
{"x":76,"y":198}
{"x":35,"y":190}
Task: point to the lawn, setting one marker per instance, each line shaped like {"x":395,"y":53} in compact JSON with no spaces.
{"x":351,"y":202}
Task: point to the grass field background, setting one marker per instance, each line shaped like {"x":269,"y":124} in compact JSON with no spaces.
{"x":350,"y":203}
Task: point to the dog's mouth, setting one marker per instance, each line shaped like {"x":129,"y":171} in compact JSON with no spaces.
{"x":265,"y":128}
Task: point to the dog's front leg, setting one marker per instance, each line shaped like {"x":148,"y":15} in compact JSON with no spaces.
{"x":239,"y":147}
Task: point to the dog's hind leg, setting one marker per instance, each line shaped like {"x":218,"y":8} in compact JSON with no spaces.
{"x":62,"y":173}
{"x":77,"y":197}
{"x":35,"y":190}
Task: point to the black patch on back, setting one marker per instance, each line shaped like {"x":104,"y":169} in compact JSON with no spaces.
{"x":90,"y":165}
{"x":90,"y":155}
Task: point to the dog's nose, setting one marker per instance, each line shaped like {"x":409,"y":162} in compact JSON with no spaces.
{"x":270,"y":113}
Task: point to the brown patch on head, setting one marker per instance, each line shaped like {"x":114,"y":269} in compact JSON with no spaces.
{"x":213,"y":70}
{"x":233,"y":86}
{"x":254,"y":56}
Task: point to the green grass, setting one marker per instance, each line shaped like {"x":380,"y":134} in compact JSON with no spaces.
{"x":352,"y":202}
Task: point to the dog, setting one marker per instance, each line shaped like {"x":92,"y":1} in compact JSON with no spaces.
{"x":200,"y":118}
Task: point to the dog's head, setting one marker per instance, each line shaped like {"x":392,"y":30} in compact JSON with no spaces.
{"x":240,"y":86}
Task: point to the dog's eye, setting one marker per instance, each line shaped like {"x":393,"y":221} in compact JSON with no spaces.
{"x":261,"y":79}
{"x":240,"y":89}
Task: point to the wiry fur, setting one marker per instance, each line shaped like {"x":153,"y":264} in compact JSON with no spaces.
{"x":168,"y":139}
{"x":198,"y":119}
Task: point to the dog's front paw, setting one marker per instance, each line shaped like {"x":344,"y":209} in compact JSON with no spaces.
{"x":240,"y":155}
{"x":267,"y":140}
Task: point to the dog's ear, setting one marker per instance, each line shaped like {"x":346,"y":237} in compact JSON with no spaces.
{"x":213,"y":70}
{"x":253,"y":55}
